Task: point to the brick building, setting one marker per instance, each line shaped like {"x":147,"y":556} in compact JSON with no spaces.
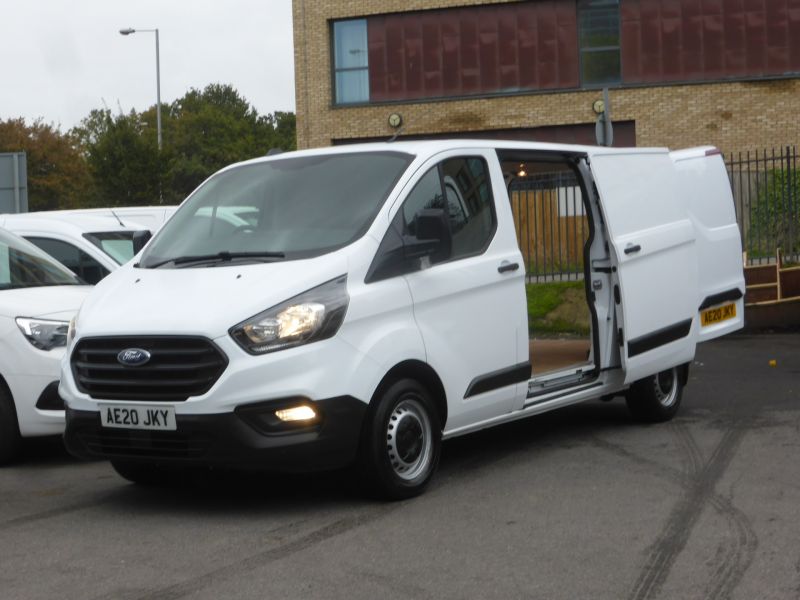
{"x":680,"y":72}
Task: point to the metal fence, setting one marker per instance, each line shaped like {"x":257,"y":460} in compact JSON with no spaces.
{"x":551,"y":225}
{"x":766,"y":192}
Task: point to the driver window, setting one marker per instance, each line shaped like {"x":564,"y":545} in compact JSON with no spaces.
{"x":426,"y":194}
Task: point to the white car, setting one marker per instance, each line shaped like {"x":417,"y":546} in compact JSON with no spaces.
{"x":90,"y":245}
{"x":38,"y":297}
{"x":353,"y":317}
{"x":152,"y":217}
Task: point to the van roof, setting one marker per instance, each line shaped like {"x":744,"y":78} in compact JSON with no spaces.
{"x":425,"y":148}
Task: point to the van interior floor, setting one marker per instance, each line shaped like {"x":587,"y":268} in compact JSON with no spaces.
{"x":557,"y":355}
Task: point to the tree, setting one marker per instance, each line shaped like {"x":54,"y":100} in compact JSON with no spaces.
{"x":215,"y":127}
{"x":58,"y":176}
{"x":203,"y":131}
{"x":123,"y":159}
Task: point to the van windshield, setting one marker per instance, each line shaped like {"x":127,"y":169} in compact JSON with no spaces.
{"x":23,"y":265}
{"x":285,"y":208}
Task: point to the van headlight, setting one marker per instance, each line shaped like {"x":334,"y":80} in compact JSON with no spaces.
{"x":312,"y":316}
{"x":44,"y":334}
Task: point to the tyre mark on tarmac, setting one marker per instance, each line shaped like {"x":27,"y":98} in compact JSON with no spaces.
{"x":261,"y":559}
{"x":47,"y":514}
{"x":684,"y":517}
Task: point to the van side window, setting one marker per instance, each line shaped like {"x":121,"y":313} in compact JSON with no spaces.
{"x":469,"y":204}
{"x":461,"y":187}
{"x":72,"y":257}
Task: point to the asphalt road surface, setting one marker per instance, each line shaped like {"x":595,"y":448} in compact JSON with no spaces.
{"x":581,"y":503}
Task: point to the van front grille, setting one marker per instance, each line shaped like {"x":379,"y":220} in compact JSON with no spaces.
{"x":178,"y":367}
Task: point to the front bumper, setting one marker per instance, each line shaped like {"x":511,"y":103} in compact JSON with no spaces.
{"x":230,"y":440}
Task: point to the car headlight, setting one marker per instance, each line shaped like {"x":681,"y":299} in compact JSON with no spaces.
{"x":43,"y":333}
{"x":312,"y":316}
{"x":72,"y":330}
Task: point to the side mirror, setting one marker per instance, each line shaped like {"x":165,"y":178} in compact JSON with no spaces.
{"x":432,"y":236}
{"x":140,"y":239}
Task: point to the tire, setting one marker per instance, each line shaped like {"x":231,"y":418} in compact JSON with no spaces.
{"x":10,"y":438}
{"x":142,"y":473}
{"x":657,"y":398}
{"x":401,"y":442}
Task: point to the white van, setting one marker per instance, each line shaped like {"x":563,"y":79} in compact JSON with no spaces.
{"x":38,"y":297}
{"x":91,"y":246}
{"x":152,"y":217}
{"x":354,"y":318}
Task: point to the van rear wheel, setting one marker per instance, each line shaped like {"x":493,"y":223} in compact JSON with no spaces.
{"x":10,"y":438}
{"x":657,"y":398}
{"x":401,"y":441}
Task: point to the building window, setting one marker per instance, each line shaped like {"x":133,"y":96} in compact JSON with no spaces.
{"x":598,"y":22}
{"x":350,"y":66}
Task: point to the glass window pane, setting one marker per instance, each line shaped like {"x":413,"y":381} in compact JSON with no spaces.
{"x":600,"y":67}
{"x":599,"y":28}
{"x":469,"y":203}
{"x":352,"y":86}
{"x":72,"y":257}
{"x":426,"y":194}
{"x":350,"y":44}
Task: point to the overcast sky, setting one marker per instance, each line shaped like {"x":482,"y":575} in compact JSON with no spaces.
{"x":62,"y":58}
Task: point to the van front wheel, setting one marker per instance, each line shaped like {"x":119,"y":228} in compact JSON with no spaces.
{"x":657,"y":398}
{"x":401,"y":442}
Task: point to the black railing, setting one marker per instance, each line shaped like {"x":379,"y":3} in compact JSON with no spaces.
{"x":767,"y":199}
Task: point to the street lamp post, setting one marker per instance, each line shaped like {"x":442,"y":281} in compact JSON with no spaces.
{"x":129,"y":31}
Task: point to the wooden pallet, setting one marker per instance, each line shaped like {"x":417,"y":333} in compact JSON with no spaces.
{"x":772,"y":283}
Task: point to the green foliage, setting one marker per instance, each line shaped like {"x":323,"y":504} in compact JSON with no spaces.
{"x":58,"y":176}
{"x":775,"y":218}
{"x":557,"y":308}
{"x":202,"y":132}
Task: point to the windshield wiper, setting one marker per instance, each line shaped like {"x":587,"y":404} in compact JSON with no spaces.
{"x":224,"y":256}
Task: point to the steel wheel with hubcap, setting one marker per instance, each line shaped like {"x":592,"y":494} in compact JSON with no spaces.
{"x":656,"y":398}
{"x":401,"y":441}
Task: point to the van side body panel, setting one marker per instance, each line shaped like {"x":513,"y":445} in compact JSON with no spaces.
{"x":654,"y":253}
{"x":703,"y":180}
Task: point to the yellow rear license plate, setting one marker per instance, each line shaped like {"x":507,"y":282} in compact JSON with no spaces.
{"x":715,"y":315}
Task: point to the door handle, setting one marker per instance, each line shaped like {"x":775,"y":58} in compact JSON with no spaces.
{"x":632,"y":249}
{"x":506,"y":267}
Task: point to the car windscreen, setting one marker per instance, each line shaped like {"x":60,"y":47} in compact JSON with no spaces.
{"x":23,"y":265}
{"x":117,"y":244}
{"x":286,"y":208}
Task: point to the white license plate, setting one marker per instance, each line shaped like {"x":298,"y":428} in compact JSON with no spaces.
{"x":130,"y":416}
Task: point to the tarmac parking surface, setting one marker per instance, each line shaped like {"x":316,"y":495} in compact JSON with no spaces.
{"x":579,"y":503}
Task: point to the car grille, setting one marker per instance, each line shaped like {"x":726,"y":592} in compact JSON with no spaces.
{"x":179,"y":367}
{"x":145,"y":444}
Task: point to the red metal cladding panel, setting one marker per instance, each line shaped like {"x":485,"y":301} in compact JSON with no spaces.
{"x":470,"y":55}
{"x":713,"y":46}
{"x":671,"y":69}
{"x":474,"y":50}
{"x":487,"y":44}
{"x":568,"y":58}
{"x":777,"y":37}
{"x":630,"y":40}
{"x":527,"y":43}
{"x":412,"y":44}
{"x":378,"y":78}
{"x":431,"y":56}
{"x":793,"y":26}
{"x":756,"y":40}
{"x":735,"y":43}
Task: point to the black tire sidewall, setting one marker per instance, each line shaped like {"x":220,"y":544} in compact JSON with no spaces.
{"x":644,"y":404}
{"x":373,"y":458}
{"x":10,"y":438}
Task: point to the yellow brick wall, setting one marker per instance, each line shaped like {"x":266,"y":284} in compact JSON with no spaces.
{"x":732,"y":116}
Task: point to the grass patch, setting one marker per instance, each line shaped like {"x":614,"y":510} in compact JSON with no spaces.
{"x":557,"y":308}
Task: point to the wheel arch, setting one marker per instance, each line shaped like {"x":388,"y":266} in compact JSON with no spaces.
{"x":425,"y":375}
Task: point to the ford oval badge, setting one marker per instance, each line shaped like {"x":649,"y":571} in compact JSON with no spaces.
{"x":133,"y":357}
